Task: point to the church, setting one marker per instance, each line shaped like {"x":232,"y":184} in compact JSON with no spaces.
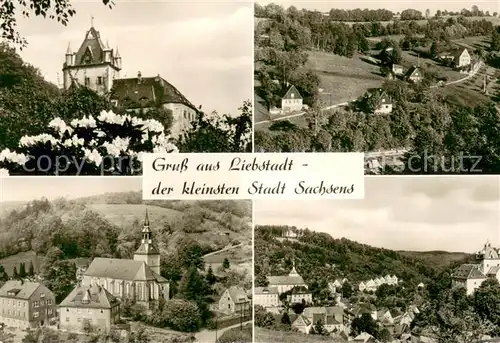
{"x":138,"y":279}
{"x":97,"y":66}
{"x":286,"y":283}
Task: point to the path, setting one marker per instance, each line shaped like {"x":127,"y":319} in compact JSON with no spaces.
{"x":206,"y":336}
{"x":223,"y":249}
{"x":474,"y":72}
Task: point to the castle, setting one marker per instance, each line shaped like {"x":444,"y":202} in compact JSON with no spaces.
{"x":96,"y":66}
{"x":138,"y":279}
{"x":471,"y":276}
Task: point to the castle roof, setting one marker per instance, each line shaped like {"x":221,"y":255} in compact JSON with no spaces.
{"x":93,"y":296}
{"x":137,"y":91}
{"x":468,"y":271}
{"x":122,"y":269}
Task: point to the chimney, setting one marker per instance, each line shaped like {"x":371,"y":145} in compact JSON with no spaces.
{"x":139,"y":77}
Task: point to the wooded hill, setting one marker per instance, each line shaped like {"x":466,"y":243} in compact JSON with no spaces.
{"x":110,"y":225}
{"x":319,"y":257}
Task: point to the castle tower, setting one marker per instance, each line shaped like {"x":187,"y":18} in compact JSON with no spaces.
{"x":147,"y":252}
{"x":293,"y":272}
{"x":94,"y":65}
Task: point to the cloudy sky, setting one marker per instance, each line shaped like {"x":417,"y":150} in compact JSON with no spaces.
{"x":203,"y":48}
{"x":395,"y":6}
{"x":416,"y":213}
{"x":53,"y":187}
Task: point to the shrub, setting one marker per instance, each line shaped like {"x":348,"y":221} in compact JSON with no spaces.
{"x":110,"y":144}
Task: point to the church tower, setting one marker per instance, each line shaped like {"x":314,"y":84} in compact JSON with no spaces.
{"x":147,"y":252}
{"x":94,"y":65}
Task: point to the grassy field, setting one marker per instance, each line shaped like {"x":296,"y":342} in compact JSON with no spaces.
{"x":268,"y":336}
{"x":440,"y":259}
{"x":24,"y":257}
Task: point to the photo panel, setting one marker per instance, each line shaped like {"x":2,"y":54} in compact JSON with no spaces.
{"x":85,"y":259}
{"x":413,"y":85}
{"x":417,"y":260}
{"x":90,"y":90}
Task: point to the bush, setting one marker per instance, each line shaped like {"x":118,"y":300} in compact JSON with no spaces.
{"x":182,"y":315}
{"x":110,"y":144}
{"x":237,"y":335}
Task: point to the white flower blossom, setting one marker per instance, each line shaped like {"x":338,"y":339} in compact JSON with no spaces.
{"x":74,"y":141}
{"x":84,"y":122}
{"x":100,"y":133}
{"x":4,"y":172}
{"x":117,"y":146}
{"x":93,"y":156}
{"x":112,"y":118}
{"x":153,"y":126}
{"x":60,"y":126}
{"x":27,"y":141}
{"x":11,"y":156}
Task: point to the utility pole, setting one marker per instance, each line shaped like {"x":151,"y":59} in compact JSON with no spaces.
{"x":241,"y":318}
{"x":216,"y":324}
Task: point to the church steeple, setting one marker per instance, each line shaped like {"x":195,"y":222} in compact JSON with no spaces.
{"x":147,"y":251}
{"x":293,"y":272}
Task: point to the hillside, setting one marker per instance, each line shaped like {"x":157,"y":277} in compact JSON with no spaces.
{"x":439,"y":259}
{"x":89,"y":227}
{"x":318,"y":257}
{"x":266,"y":336}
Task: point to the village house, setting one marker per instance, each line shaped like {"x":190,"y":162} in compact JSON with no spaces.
{"x":302,"y":324}
{"x":459,"y":58}
{"x":384,"y":316}
{"x":364,"y":338}
{"x":383,"y":105}
{"x":286,"y":282}
{"x":397,"y":69}
{"x":414,"y":74}
{"x":300,"y":294}
{"x":89,"y":307}
{"x":26,"y":304}
{"x":292,"y":101}
{"x":96,"y":66}
{"x":138,"y":279}
{"x":234,"y":300}
{"x":266,"y":297}
{"x":333,"y":318}
{"x":471,"y":276}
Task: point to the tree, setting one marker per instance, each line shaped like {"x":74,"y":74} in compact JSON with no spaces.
{"x":285,"y":319}
{"x":365,"y":323}
{"x":60,"y":278}
{"x":211,"y":279}
{"x":263,"y":318}
{"x":346,"y":290}
{"x":139,"y":336}
{"x":319,"y":328}
{"x":22,"y":270}
{"x":15,"y":275}
{"x":3,"y":274}
{"x":31,"y":269}
{"x":434,"y":49}
{"x":192,"y":285}
{"x":495,"y":40}
{"x":226,"y":264}
{"x":220,"y":133}
{"x":182,"y":315}
{"x":11,"y":10}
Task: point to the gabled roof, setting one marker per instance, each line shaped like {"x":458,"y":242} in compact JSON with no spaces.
{"x":468,"y":271}
{"x":457,"y":53}
{"x":285,"y":280}
{"x":93,"y":296}
{"x":265,"y":290}
{"x":121,"y":269}
{"x":494,"y":270}
{"x":414,"y":71}
{"x":292,"y":93}
{"x":238,"y":295}
{"x":301,"y":321}
{"x":92,"y":43}
{"x":20,"y":290}
{"x":137,"y":91}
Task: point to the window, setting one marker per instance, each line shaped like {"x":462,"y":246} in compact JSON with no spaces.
{"x":24,"y":304}
{"x":36,"y":314}
{"x":42,"y":295}
{"x":35,"y":304}
{"x":49,"y":302}
{"x":42,"y":302}
{"x":99,"y":80}
{"x":49,"y":311}
{"x":87,"y":81}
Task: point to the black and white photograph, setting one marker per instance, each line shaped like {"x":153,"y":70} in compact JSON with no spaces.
{"x":412,"y":84}
{"x":417,"y":260}
{"x":85,"y":259}
{"x":86,"y":87}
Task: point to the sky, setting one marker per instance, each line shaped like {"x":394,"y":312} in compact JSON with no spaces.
{"x":393,"y":5}
{"x":15,"y":189}
{"x":456,"y":214}
{"x":205,"y":49}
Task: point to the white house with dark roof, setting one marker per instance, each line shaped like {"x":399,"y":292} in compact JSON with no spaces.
{"x":96,"y":66}
{"x":89,"y":307}
{"x":26,"y":304}
{"x":285,"y":283}
{"x":292,"y":101}
{"x":234,"y":300}
{"x":138,"y":279}
{"x":266,"y":297}
{"x":471,"y":276}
